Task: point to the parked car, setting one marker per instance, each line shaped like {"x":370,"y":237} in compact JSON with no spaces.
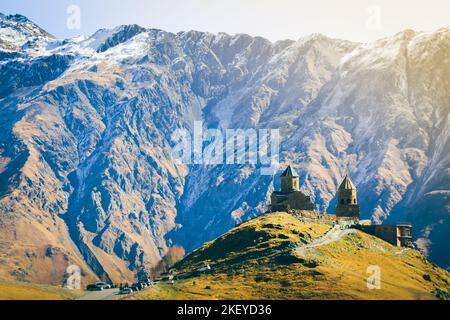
{"x":143,"y":285}
{"x":166,"y":278}
{"x":104,"y":285}
{"x":126,"y":291}
{"x":136,"y":287}
{"x":146,"y":282}
{"x":94,"y":287}
{"x":205,"y":268}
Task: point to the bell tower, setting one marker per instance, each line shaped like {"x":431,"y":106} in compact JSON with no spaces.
{"x":348,"y":206}
{"x":289,"y":181}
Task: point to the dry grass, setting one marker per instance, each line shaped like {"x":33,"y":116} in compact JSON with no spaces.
{"x":253,"y":239}
{"x":27,"y":291}
{"x":257,"y":261}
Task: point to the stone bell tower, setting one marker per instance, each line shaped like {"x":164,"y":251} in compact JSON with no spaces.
{"x":348,"y":206}
{"x":289,"y":181}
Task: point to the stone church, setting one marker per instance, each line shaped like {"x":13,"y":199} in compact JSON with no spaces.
{"x":348,"y":206}
{"x":290,"y":197}
{"x":347,"y":209}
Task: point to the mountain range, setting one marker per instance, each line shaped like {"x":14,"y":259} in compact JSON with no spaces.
{"x":87,"y":174}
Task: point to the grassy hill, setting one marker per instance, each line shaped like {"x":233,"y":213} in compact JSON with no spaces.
{"x":28,"y":291}
{"x":269,"y":258}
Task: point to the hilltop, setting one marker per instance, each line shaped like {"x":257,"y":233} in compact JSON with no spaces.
{"x":276,"y":256}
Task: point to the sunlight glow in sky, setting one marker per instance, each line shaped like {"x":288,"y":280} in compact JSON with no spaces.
{"x":357,"y":20}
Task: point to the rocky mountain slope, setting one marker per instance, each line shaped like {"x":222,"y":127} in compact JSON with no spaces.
{"x":272,"y":257}
{"x":86,"y":149}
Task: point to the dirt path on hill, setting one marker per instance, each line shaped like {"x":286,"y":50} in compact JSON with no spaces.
{"x":334,"y":234}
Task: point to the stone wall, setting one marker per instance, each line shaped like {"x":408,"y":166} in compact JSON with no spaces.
{"x":314,"y":217}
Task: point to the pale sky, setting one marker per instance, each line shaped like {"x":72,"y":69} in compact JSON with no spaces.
{"x":357,"y":20}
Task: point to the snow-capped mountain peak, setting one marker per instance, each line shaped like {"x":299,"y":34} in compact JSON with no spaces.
{"x":18,"y":33}
{"x":104,"y":39}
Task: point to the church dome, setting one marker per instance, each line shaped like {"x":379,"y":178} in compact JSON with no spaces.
{"x":347,"y":184}
{"x":289,"y":172}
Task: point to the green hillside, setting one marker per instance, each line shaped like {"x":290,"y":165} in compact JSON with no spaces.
{"x":274,"y":257}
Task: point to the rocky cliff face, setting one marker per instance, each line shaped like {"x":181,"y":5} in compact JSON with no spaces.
{"x":86,"y":150}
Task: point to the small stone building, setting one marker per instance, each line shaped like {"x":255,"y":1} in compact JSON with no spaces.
{"x":399,"y":235}
{"x":290,"y":197}
{"x":348,"y":206}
